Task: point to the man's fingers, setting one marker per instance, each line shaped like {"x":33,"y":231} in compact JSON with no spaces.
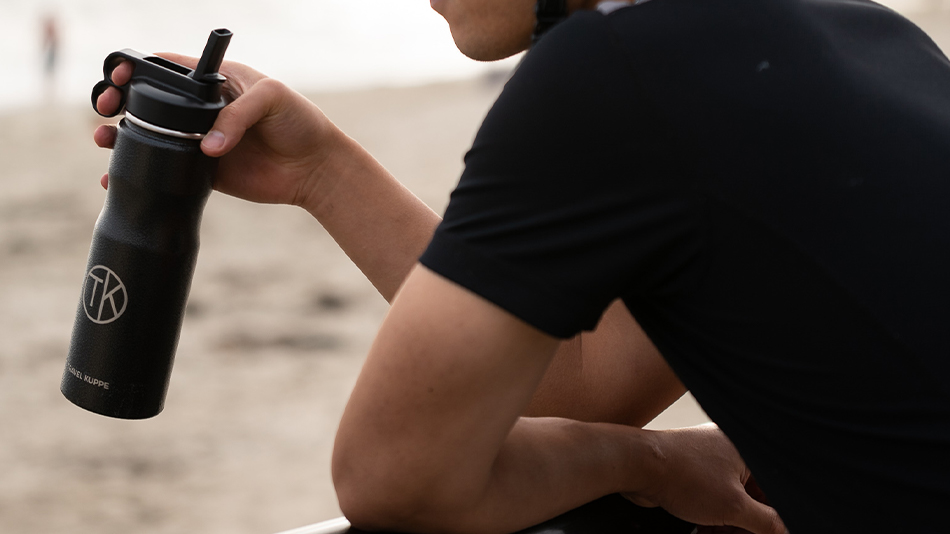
{"x":104,"y":136}
{"x":122,"y":73}
{"x":639,"y":501}
{"x":108,"y":101}
{"x":760,"y":518}
{"x":720,"y":530}
{"x":754,"y":491}
{"x":104,"y":181}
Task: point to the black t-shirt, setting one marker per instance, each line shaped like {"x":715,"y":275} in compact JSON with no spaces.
{"x":766,"y":185}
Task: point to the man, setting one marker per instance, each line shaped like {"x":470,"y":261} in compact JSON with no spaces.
{"x":761,"y":184}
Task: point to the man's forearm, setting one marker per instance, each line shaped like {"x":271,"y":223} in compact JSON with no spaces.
{"x":545,"y":467}
{"x":377,"y":222}
{"x":548,"y":466}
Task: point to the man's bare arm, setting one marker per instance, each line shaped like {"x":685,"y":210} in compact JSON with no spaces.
{"x":613,"y":374}
{"x":441,"y":389}
{"x":431,"y":439}
{"x":275,"y":146}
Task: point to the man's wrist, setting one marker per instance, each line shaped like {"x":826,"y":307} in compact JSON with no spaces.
{"x":635,"y":460}
{"x":331,"y":162}
{"x":645,"y":468}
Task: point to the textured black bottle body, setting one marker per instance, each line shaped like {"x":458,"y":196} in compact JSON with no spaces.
{"x":145,"y":244}
{"x":138,"y":275}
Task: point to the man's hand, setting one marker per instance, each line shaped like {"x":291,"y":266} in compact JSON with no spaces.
{"x":272,"y":141}
{"x":701,"y":478}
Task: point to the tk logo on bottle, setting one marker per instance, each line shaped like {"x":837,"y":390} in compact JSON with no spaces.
{"x":103,"y":296}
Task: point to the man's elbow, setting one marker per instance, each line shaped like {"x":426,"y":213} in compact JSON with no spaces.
{"x":368,"y":502}
{"x":382,"y":494}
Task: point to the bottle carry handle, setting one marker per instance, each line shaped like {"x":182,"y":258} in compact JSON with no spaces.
{"x":201,"y":84}
{"x":112,"y":61}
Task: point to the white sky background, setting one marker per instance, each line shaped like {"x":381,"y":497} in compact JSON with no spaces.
{"x":308,"y":44}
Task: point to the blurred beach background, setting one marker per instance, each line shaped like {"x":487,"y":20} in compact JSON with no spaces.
{"x":278,"y":321}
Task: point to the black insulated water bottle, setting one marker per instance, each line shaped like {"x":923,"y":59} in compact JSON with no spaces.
{"x":145,"y":242}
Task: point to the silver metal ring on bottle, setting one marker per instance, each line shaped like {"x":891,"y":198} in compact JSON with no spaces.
{"x":164,"y":131}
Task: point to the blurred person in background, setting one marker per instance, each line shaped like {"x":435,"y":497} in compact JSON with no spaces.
{"x":50,"y":47}
{"x":751,"y":194}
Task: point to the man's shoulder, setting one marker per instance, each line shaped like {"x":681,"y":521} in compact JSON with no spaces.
{"x":680,"y":29}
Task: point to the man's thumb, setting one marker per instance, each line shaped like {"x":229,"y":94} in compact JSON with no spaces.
{"x":760,"y":518}
{"x":235,"y":119}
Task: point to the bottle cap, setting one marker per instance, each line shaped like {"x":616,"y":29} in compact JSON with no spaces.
{"x":169,"y":95}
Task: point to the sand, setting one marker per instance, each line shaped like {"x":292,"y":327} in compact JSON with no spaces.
{"x":276,"y":329}
{"x":277,"y":325}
